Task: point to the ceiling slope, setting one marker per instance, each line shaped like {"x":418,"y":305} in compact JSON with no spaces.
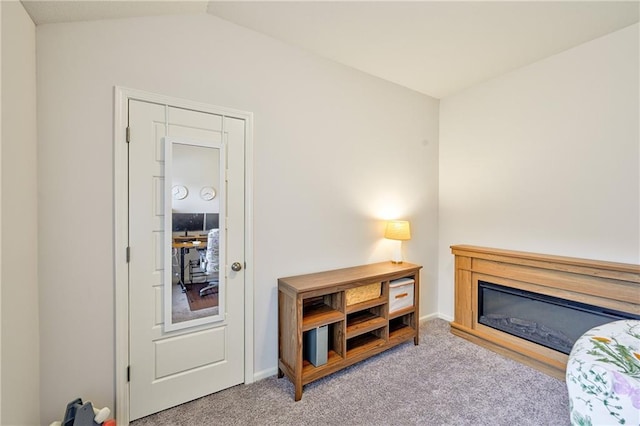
{"x":434,"y":47}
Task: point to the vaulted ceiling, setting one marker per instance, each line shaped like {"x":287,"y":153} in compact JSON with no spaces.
{"x":434,"y":47}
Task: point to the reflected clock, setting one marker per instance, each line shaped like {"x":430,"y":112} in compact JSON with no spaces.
{"x":207,"y":193}
{"x":179,"y":192}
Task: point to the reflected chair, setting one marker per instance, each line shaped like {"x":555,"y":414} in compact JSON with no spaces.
{"x":176,"y":268}
{"x":210,"y":262}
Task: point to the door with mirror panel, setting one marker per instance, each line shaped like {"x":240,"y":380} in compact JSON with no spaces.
{"x":186,"y":220}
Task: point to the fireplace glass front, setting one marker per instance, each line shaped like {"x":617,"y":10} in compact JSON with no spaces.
{"x":549,"y":321}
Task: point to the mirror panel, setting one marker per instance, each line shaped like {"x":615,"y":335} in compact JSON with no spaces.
{"x":193,"y":228}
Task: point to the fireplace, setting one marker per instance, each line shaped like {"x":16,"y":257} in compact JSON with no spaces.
{"x":552,"y":299}
{"x":546,"y":320}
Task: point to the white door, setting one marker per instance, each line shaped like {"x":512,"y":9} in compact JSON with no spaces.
{"x":170,"y":368}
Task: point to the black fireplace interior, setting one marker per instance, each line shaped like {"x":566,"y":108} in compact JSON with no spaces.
{"x":549,"y":321}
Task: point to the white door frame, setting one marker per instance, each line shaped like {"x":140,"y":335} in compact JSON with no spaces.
{"x":121,"y":234}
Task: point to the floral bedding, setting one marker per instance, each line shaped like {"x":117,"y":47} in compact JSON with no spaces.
{"x":603,"y":375}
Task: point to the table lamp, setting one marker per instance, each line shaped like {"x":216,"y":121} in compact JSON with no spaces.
{"x":400,"y":231}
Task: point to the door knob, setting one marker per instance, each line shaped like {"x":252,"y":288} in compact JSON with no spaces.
{"x":236,"y":266}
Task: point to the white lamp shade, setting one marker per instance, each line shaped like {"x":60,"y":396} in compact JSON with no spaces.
{"x":398,"y":230}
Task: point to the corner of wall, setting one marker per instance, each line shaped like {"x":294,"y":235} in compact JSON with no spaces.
{"x":19,"y":314}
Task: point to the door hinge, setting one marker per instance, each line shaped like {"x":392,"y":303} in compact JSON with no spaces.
{"x":128,"y":134}
{"x":128,"y":373}
{"x":128,"y":254}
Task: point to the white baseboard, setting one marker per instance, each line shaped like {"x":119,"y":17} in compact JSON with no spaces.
{"x":436,"y":315}
{"x":265,"y":373}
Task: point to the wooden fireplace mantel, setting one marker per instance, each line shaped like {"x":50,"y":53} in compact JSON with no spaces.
{"x":606,"y":284}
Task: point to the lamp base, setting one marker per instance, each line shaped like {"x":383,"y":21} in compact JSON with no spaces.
{"x":396,"y":262}
{"x":396,"y":256}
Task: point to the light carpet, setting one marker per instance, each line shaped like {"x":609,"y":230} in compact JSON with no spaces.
{"x":445,"y":380}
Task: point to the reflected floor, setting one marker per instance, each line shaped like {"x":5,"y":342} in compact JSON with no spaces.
{"x":181,"y":311}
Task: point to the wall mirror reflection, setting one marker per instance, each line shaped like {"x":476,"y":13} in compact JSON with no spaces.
{"x":194,"y":244}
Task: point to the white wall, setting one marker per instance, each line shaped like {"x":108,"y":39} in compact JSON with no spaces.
{"x":20,"y":338}
{"x":335,"y":152}
{"x":545,"y":159}
{"x":0,"y":215}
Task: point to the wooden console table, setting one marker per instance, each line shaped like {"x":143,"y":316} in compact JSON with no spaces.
{"x":355,"y":331}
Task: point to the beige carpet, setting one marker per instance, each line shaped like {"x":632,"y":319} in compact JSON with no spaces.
{"x":445,"y":380}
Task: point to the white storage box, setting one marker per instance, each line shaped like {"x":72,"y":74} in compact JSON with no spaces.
{"x":400,"y":294}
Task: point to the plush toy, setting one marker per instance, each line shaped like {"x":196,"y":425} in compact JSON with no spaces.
{"x":79,"y":414}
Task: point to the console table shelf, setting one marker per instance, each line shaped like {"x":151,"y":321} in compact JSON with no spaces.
{"x":363,"y":343}
{"x":320,"y":315}
{"x":364,"y":322}
{"x":400,"y":332}
{"x":368,"y":304}
{"x":401,"y":313}
{"x":355,"y":331}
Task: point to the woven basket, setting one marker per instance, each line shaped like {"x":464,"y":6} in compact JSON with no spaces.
{"x":362,"y":293}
